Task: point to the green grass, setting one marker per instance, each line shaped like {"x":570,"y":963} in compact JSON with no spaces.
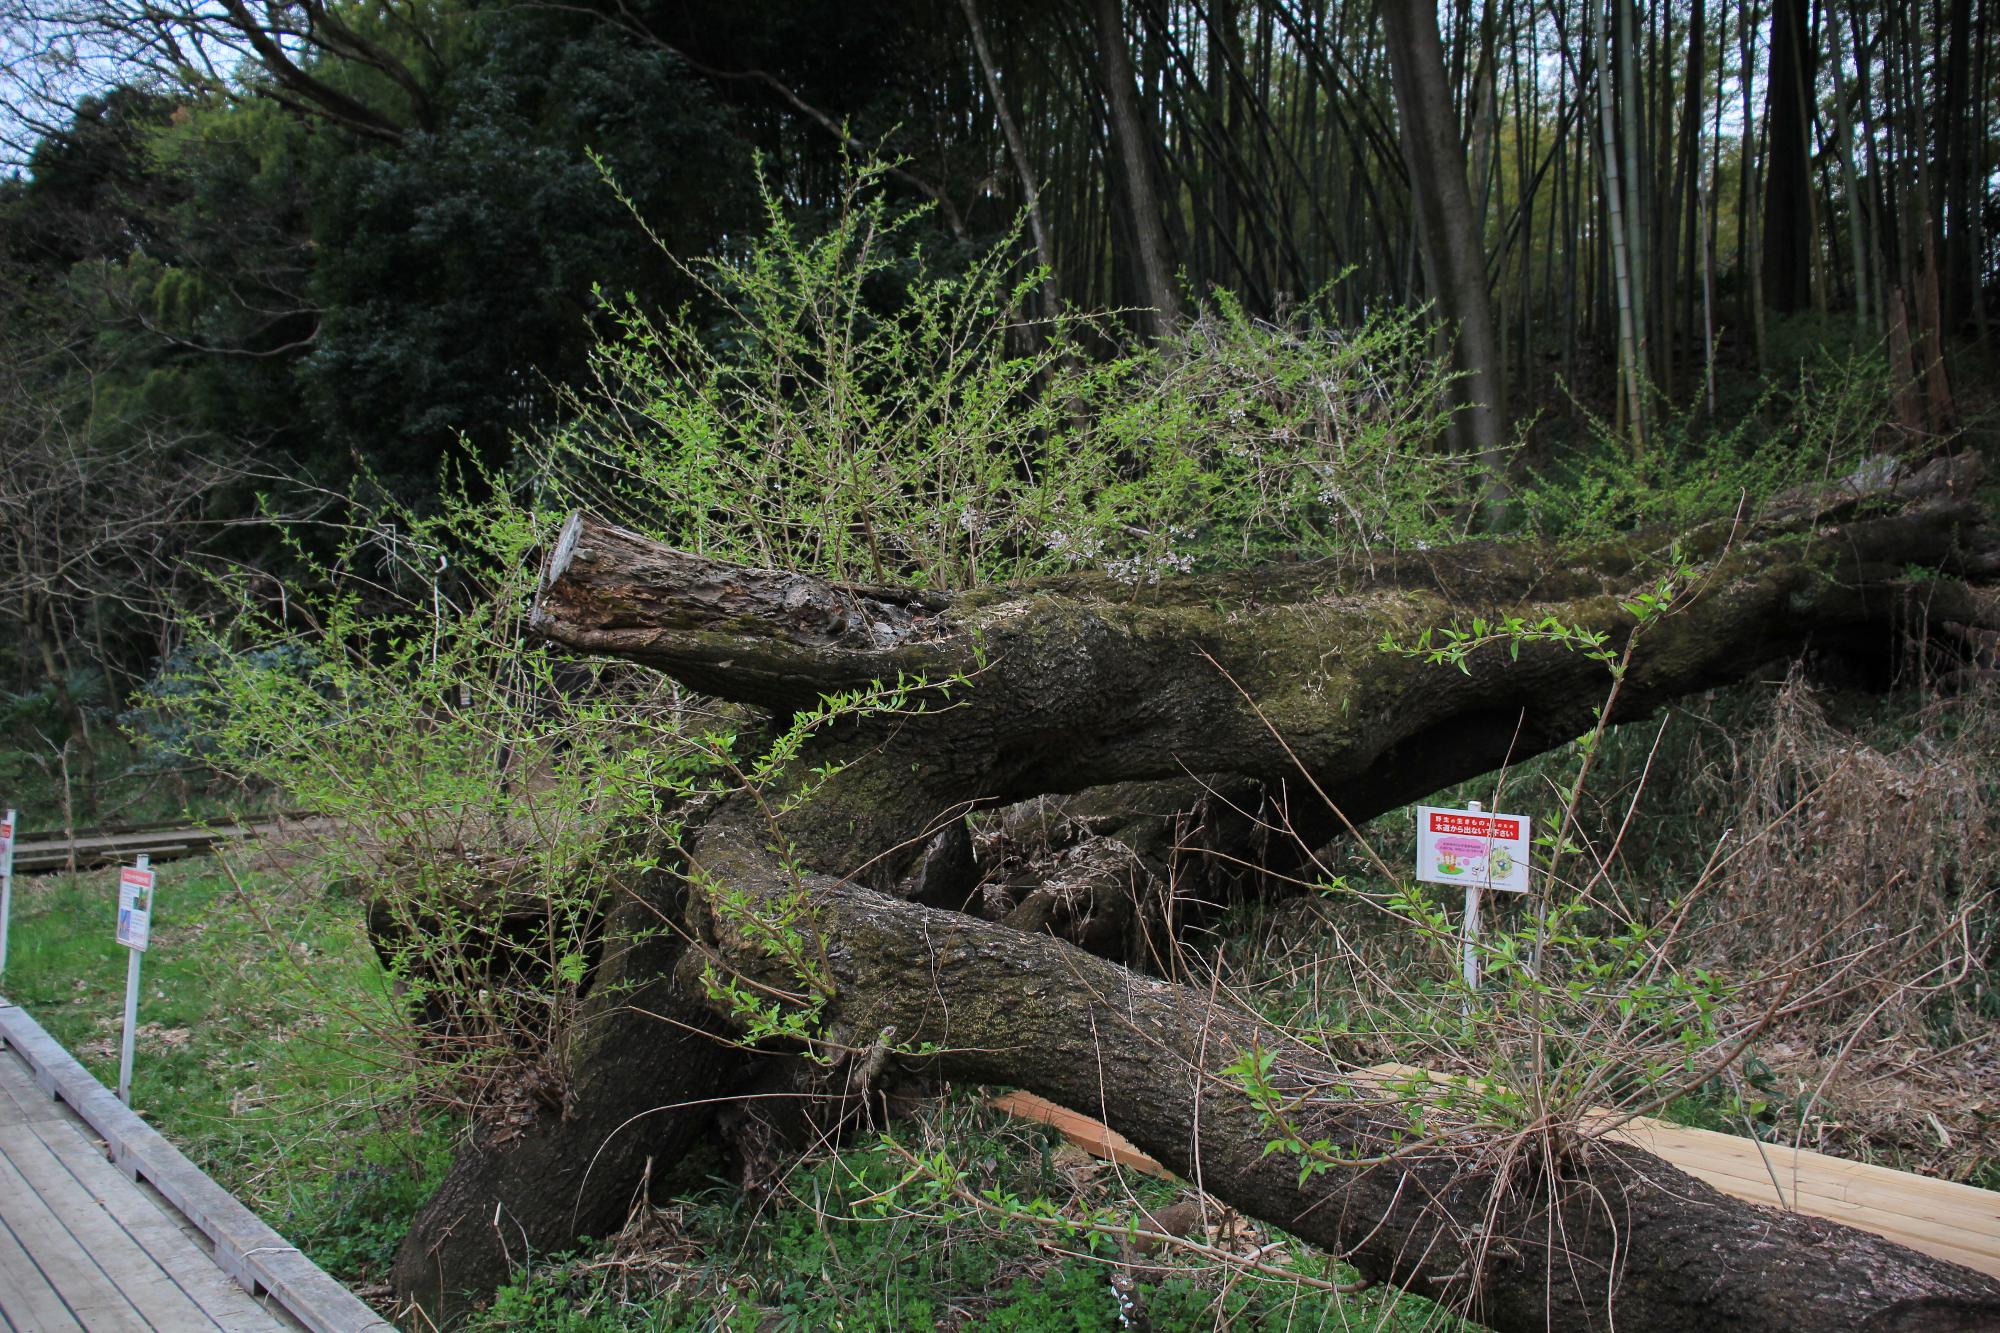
{"x":860,"y":1241}
{"x":259,"y":1005}
{"x":253,"y":1053}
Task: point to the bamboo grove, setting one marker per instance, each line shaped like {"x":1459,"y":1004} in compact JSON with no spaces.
{"x":1654,"y":191}
{"x":1656,"y":186}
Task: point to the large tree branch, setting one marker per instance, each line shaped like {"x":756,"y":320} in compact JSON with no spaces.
{"x":1079,"y":682}
{"x":1535,"y":1228}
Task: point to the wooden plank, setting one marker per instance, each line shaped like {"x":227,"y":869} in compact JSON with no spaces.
{"x":181,"y":1257}
{"x":220,"y":1296}
{"x":27,"y":1301}
{"x":144,"y":826}
{"x":1093,"y":1136}
{"x":1960,"y":1235}
{"x":85,"y":1213}
{"x":248,"y":1249}
{"x":1810,"y":1174}
{"x":1956,"y":1222}
{"x":93,"y":840}
{"x":21,"y":1098}
{"x":41,"y":860}
{"x":1951,"y":1221}
{"x":182,"y":1260}
{"x":91,"y":1293}
{"x":203,"y":1295}
{"x":1864,"y":1182}
{"x":103,"y":846}
{"x":93,"y":847}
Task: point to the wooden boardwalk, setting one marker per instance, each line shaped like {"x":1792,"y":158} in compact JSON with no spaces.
{"x":115,"y":844}
{"x":82,"y":1247}
{"x":104,"y":1225}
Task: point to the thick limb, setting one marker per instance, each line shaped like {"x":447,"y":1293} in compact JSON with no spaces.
{"x":1533,"y":1229}
{"x":1271,"y":674}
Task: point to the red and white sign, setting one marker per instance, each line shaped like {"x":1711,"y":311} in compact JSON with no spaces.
{"x":135,"y":908}
{"x":1488,"y":851}
{"x":7,"y":837}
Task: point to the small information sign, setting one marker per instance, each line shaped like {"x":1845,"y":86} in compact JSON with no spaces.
{"x":1472,"y":847}
{"x":7,"y":839}
{"x":135,"y":908}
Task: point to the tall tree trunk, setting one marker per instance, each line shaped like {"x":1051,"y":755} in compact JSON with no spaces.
{"x":1750,"y":240}
{"x":1857,"y":209}
{"x":1134,"y":139}
{"x":1880,"y":212}
{"x":1905,"y":385}
{"x":1788,"y":212}
{"x":1959,"y":112}
{"x":1624,"y":279}
{"x":1454,"y":252}
{"x":1638,"y":254}
{"x":1682,"y":212}
{"x":1712,"y":222}
{"x":1939,"y":411}
{"x":1980,"y":150}
{"x":1017,"y":152}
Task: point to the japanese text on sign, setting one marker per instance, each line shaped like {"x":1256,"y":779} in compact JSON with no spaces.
{"x":1476,"y":826}
{"x":1488,"y":851}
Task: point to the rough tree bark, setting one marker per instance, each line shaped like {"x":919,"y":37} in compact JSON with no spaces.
{"x":1135,"y":162}
{"x":1076,"y":683}
{"x":1454,"y":249}
{"x":1788,"y":239}
{"x":513,"y":1196}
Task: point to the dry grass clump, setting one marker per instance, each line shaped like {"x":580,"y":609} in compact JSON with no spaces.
{"x":1867,"y":871}
{"x":475,"y":945}
{"x":1783,"y":921}
{"x":1865,"y":865}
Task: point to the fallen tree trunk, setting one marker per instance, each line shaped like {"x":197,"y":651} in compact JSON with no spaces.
{"x":1074,"y":684}
{"x":1080,"y":682}
{"x":1524,"y":1230}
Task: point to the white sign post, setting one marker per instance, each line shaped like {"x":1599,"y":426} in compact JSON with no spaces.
{"x":1478,"y":850}
{"x":6,"y":884}
{"x":135,"y":932}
